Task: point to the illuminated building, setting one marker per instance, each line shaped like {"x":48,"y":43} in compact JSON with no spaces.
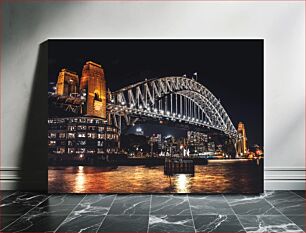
{"x":159,"y":141}
{"x":81,"y":136}
{"x":67,"y":83}
{"x":156,"y":142}
{"x":242,"y":141}
{"x":211,"y":146}
{"x":197,"y":141}
{"x":93,"y":85}
{"x":77,"y":116}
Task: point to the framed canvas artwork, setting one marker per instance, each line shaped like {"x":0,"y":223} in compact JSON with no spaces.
{"x":155,"y":116}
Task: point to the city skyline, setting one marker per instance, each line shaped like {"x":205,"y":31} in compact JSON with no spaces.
{"x":231,"y":69}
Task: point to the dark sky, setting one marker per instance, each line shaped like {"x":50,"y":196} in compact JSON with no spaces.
{"x":231,"y":69}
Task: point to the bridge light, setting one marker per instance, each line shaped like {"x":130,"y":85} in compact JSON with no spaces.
{"x":184,"y":116}
{"x":197,"y":120}
{"x":162,"y":111}
{"x":155,"y":110}
{"x":148,"y":108}
{"x":131,"y":105}
{"x":112,"y":100}
{"x":168,"y":113}
{"x":123,"y":103}
{"x":179,"y":115}
{"x":140,"y":106}
{"x":193,"y":118}
{"x":173,"y":114}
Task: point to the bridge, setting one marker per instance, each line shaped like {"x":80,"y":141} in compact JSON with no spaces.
{"x":175,"y":98}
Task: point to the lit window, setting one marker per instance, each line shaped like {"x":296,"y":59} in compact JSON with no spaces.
{"x":81,"y":143}
{"x":52,"y":143}
{"x":100,"y":129}
{"x":71,"y":135}
{"x":100,"y":151}
{"x":52,"y":135}
{"x":81,"y":135}
{"x":82,"y":127}
{"x":71,"y":150}
{"x":60,"y":150}
{"x":61,"y":135}
{"x":71,"y":128}
{"x":91,"y":127}
{"x":70,"y":143}
{"x":82,"y":120}
{"x":100,"y":143}
{"x":91,"y":135}
{"x":80,"y":150}
{"x":89,"y":120}
{"x":101,"y":136}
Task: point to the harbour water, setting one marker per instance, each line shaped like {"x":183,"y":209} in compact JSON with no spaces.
{"x":219,"y":176}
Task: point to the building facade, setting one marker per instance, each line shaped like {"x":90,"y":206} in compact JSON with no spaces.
{"x":197,"y":142}
{"x":81,"y":136}
{"x":85,"y":131}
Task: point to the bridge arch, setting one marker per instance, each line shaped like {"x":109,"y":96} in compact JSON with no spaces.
{"x":175,"y":98}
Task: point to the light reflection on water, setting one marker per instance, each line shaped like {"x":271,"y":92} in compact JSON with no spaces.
{"x":80,"y":180}
{"x":217,"y":176}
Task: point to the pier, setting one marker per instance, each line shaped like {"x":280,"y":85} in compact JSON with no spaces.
{"x":178,"y":166}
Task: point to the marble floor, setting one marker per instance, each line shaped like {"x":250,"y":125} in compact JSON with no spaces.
{"x":273,"y":211}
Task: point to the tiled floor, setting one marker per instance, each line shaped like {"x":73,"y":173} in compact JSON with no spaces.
{"x":274,"y":211}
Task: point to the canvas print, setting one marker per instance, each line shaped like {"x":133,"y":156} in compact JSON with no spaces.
{"x":155,"y":116}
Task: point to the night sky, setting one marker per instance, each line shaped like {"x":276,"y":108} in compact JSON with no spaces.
{"x":231,"y":69}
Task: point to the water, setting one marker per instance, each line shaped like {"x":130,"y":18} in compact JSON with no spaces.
{"x":235,"y":176}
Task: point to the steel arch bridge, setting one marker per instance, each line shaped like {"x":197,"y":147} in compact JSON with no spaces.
{"x":178,"y":99}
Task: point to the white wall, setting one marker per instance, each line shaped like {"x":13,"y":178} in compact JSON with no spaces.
{"x":280,"y":24}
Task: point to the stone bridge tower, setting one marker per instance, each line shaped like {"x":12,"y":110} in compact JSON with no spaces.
{"x":93,"y":84}
{"x":242,"y":141}
{"x":67,"y":83}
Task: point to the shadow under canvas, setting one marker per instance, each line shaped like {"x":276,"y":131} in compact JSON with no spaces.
{"x":33,"y":164}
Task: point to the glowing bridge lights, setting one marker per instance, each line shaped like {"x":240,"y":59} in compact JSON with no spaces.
{"x":173,"y":98}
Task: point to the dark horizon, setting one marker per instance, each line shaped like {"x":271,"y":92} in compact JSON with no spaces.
{"x":231,"y":69}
